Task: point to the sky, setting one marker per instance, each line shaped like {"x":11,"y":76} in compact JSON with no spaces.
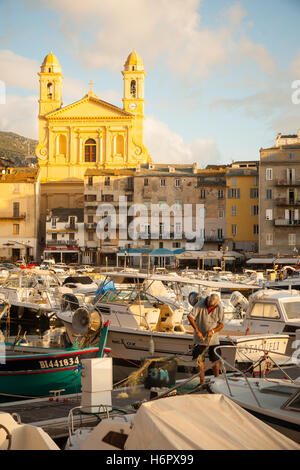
{"x":219,"y":72}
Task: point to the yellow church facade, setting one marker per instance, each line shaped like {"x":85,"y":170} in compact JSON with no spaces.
{"x":89,"y":133}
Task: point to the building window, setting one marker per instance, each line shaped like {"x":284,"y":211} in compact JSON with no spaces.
{"x":233,"y":193}
{"x":269,"y":239}
{"x":90,"y":236}
{"x":233,"y":229}
{"x":107,"y":181}
{"x":271,"y":156}
{"x":54,"y":236}
{"x":202,"y":193}
{"x":133,"y":88}
{"x":176,"y":245}
{"x":72,"y":236}
{"x":16,"y":209}
{"x":220,"y":233}
{"x":72,"y":222}
{"x":90,"y":151}
{"x":163,"y":182}
{"x":269,"y":214}
{"x":255,"y":229}
{"x":269,"y":174}
{"x":220,"y":194}
{"x":107,"y":197}
{"x":90,"y":197}
{"x":233,"y":181}
{"x":292,"y":239}
{"x":233,"y":211}
{"x":49,"y":90}
{"x":253,"y":193}
{"x":90,"y":219}
{"x":161,"y":244}
{"x":178,"y":204}
{"x":178,"y":228}
{"x":269,"y":194}
{"x":177,"y":183}
{"x":220,"y":214}
{"x":90,"y":181}
{"x":292,"y":156}
{"x":256,"y":181}
{"x":16,"y":229}
{"x":254,"y":210}
{"x":146,"y":182}
{"x":53,"y":220}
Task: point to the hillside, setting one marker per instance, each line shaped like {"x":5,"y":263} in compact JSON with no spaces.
{"x":17,"y":148}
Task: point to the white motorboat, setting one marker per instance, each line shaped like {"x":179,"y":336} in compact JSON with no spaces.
{"x":188,"y":422}
{"x":18,"y":436}
{"x":274,"y":400}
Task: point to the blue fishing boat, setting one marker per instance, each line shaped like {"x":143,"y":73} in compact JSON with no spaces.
{"x":28,"y":371}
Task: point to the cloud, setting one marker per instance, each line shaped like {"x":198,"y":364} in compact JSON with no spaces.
{"x":166,"y":146}
{"x":102,"y":33}
{"x":20,"y":115}
{"x":21,"y":72}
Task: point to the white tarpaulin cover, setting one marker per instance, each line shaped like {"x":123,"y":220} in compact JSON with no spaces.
{"x":201,"y":422}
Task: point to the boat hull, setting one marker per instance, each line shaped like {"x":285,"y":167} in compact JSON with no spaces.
{"x":32,"y":375}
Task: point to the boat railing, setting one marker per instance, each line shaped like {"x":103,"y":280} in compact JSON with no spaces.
{"x":242,"y":373}
{"x":103,"y":410}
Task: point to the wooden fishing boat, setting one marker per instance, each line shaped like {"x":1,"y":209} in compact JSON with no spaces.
{"x":29,"y":371}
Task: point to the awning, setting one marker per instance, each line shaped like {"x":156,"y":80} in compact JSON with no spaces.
{"x":261,"y":261}
{"x":287,"y":260}
{"x":61,"y":250}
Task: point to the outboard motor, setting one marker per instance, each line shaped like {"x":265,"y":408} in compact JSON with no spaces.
{"x":240,"y":303}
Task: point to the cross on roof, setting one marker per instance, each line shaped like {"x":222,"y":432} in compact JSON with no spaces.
{"x":91,"y":83}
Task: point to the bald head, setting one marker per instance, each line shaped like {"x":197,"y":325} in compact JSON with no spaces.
{"x":213,"y":300}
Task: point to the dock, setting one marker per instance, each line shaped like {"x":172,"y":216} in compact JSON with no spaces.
{"x":51,"y":413}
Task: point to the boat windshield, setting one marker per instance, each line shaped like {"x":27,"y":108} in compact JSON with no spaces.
{"x":292,"y":310}
{"x":127,"y":296}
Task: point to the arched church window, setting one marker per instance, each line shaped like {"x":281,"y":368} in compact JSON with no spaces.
{"x":119,"y":145}
{"x":50,"y":90}
{"x":62,"y":145}
{"x":90,"y":151}
{"x":133,"y":88}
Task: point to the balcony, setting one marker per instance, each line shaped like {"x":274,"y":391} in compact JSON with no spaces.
{"x":13,"y":217}
{"x":286,"y":223}
{"x":61,"y":242}
{"x":73,"y":227}
{"x":214,"y":239}
{"x":284,"y":182}
{"x":283,"y":201}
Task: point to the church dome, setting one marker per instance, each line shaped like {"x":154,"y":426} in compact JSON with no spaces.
{"x":134,"y":60}
{"x":51,"y":64}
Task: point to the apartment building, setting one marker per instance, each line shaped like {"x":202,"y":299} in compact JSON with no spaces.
{"x":19,"y":212}
{"x":242,"y":206}
{"x":64,"y":235}
{"x":279,"y":177}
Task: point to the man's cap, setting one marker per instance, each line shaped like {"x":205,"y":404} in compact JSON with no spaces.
{"x":193,"y":298}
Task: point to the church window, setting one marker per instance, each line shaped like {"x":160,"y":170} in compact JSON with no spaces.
{"x":50,"y":90}
{"x":133,"y":88}
{"x":90,"y":151}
